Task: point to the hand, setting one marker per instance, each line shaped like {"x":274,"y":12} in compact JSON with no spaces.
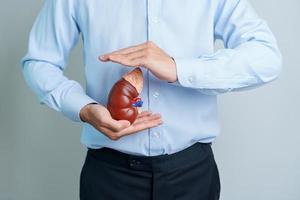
{"x":99,"y":117}
{"x":146,"y":55}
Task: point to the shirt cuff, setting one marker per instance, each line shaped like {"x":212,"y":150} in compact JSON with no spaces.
{"x":188,"y":71}
{"x":175,"y":83}
{"x":76,"y":101}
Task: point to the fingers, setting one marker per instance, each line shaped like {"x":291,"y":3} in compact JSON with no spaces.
{"x":147,"y":124}
{"x":135,"y":62}
{"x":141,"y":124}
{"x":120,"y":59}
{"x":127,"y":50}
{"x":144,"y":120}
{"x":136,"y":58}
{"x":115,"y":125}
{"x":109,"y":133}
{"x":144,"y":113}
{"x":137,"y":55}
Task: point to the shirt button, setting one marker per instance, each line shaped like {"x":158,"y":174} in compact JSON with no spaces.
{"x":156,"y":94}
{"x":155,"y":20}
{"x":156,"y":134}
{"x":191,"y":79}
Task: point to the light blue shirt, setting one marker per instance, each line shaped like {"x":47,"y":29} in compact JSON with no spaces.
{"x":186,"y":30}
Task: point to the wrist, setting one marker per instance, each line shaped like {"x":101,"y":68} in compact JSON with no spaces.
{"x":84,"y":112}
{"x":174,"y":79}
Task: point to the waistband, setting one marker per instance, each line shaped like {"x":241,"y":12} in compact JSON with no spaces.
{"x":193,"y":153}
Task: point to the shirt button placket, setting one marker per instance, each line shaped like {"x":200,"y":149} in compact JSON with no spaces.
{"x":154,"y":13}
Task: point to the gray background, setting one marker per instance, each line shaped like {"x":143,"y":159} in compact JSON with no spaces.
{"x":257,"y":152}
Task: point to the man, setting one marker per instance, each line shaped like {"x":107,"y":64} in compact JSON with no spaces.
{"x":166,"y":152}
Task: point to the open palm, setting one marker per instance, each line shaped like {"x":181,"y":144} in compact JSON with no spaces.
{"x":99,"y":117}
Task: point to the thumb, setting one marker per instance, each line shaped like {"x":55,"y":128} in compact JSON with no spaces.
{"x":118,"y":125}
{"x":124,"y":123}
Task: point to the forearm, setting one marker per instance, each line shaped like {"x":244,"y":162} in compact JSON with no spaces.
{"x":54,"y":89}
{"x":249,"y":65}
{"x":250,"y":59}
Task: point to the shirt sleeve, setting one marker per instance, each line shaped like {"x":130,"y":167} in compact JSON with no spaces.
{"x":54,"y":33}
{"x":250,"y":58}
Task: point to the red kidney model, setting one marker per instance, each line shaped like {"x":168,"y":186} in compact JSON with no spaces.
{"x":123,"y":99}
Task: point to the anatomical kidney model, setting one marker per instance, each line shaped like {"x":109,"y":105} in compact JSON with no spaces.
{"x":123,"y":99}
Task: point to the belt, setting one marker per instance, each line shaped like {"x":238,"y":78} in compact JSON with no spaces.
{"x":150,"y":163}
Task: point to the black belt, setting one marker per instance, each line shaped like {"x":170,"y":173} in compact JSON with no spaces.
{"x":150,"y":163}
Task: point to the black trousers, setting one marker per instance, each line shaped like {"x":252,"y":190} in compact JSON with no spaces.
{"x":190,"y":174}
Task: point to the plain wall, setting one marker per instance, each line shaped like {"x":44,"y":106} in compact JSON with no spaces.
{"x":257,"y":152}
